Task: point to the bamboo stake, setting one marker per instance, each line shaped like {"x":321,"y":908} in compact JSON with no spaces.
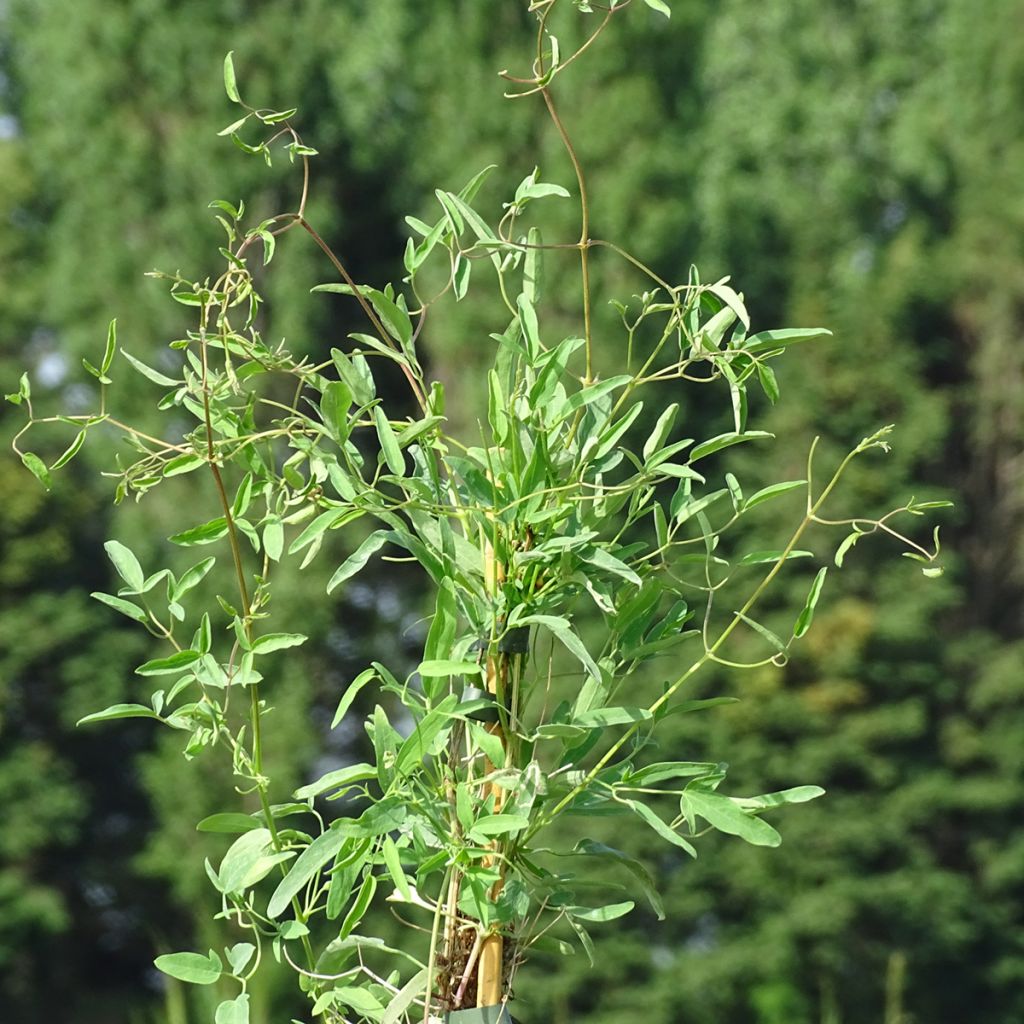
{"x":489,"y":972}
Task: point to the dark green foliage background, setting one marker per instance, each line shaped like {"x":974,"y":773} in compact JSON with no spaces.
{"x":856,"y":165}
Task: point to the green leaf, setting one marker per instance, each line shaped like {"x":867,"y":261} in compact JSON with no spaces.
{"x":606,"y":913}
{"x":359,"y":906}
{"x":119,"y":711}
{"x":229,"y":822}
{"x":585,"y":941}
{"x":393,"y":318}
{"x":362,"y":1000}
{"x":233,"y":1011}
{"x":126,"y":564}
{"x":769,"y":341}
{"x":686,"y":707}
{"x":168,"y":666}
{"x":603,"y":559}
{"x":660,"y":6}
{"x":323,"y":522}
{"x":335,"y":403}
{"x":803,"y":623}
{"x":205,"y":533}
{"x":94,"y":370}
{"x":611,"y":716}
{"x":489,"y":743}
{"x":659,"y":435}
{"x":323,"y":849}
{"x":735,"y":491}
{"x":676,"y":471}
{"x":843,"y":548}
{"x":273,"y":539}
{"x":563,"y":631}
{"x":384,"y":816}
{"x":796,"y":795}
{"x":340,"y":778}
{"x":716,"y":444}
{"x":417,"y":745}
{"x":666,"y":452}
{"x":721,"y":812}
{"x":243,"y":855}
{"x":769,"y":383}
{"x":191,"y":967}
{"x":441,"y":635}
{"x":350,"y":694}
{"x":765,"y":632}
{"x":763,"y":557}
{"x":444,"y":667}
{"x":37,"y":468}
{"x":230,"y":130}
{"x":108,"y":354}
{"x":239,"y":956}
{"x":23,"y":393}
{"x":659,"y":826}
{"x":390,"y":451}
{"x":528,"y":323}
{"x":595,"y":391}
{"x":193,"y":577}
{"x":394,"y":865}
{"x":590,"y":848}
{"x":405,"y":997}
{"x":149,"y":373}
{"x":277,"y":116}
{"x":611,"y":437}
{"x":292,"y":930}
{"x":767,"y":493}
{"x":662,"y":770}
{"x":120,"y":605}
{"x":230,"y":86}
{"x":691,"y":508}
{"x":277,"y":642}
{"x":539,"y":191}
{"x":497,"y":825}
{"x":358,"y":558}
{"x":355,"y":372}
{"x":181,"y":464}
{"x":71,"y":451}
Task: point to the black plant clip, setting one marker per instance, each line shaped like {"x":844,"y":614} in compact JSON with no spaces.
{"x":497,"y":1014}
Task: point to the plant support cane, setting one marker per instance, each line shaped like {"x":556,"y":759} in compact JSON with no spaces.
{"x":491,"y":966}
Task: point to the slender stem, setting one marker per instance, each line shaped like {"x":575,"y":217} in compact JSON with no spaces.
{"x":255,"y":717}
{"x":630,"y":258}
{"x":366,"y":307}
{"x":474,"y":953}
{"x":584,"y":246}
{"x":432,"y":954}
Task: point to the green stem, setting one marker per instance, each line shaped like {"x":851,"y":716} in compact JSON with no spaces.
{"x":584,"y":244}
{"x":434,"y":931}
{"x":255,"y":722}
{"x":366,"y":307}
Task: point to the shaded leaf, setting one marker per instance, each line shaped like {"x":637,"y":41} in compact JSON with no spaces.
{"x":358,"y":558}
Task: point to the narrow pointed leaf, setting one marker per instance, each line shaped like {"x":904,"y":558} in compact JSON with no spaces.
{"x":358,"y":558}
{"x":803,"y":623}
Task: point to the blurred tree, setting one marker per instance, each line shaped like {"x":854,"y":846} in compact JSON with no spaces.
{"x":849,"y":164}
{"x":107,"y":167}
